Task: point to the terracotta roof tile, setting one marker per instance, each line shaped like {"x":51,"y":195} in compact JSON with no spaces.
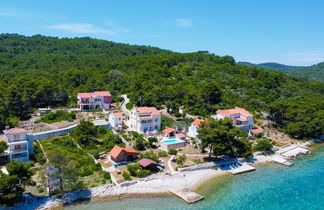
{"x":257,"y":130}
{"x":236,"y":110}
{"x":116,"y":150}
{"x":14,"y":131}
{"x":3,"y":138}
{"x":94,"y":94}
{"x":118,"y":114}
{"x":197,"y":122}
{"x":146,"y":162}
{"x":168,"y":130}
{"x":146,"y":109}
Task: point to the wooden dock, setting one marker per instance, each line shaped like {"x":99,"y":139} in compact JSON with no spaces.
{"x":187,"y":195}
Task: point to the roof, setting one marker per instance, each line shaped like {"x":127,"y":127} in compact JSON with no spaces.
{"x":117,"y":114}
{"x":241,"y":119}
{"x":196,"y":122}
{"x":146,"y":109}
{"x":257,"y":130}
{"x":15,"y":130}
{"x":181,"y":135}
{"x":236,"y":110}
{"x":146,"y":162}
{"x":94,"y":94}
{"x":168,"y":130}
{"x":3,"y":138}
{"x":115,"y":152}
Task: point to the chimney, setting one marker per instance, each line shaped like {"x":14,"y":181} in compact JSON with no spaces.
{"x":7,"y":127}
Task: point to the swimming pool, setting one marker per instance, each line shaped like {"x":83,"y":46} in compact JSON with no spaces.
{"x":172,"y":141}
{"x":172,"y":144}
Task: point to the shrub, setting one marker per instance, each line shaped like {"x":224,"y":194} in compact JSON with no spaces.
{"x":263,"y":145}
{"x":106,"y":175}
{"x":143,"y":173}
{"x":126,"y":176}
{"x":133,"y":168}
{"x":181,"y":160}
{"x":86,"y":171}
{"x":162,"y":154}
{"x":150,"y":155}
{"x":173,"y":152}
{"x":177,"y":114}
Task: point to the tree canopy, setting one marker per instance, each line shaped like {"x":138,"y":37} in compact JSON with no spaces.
{"x":41,"y":71}
{"x":222,"y":138}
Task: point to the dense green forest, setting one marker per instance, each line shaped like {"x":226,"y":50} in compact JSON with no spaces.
{"x":273,"y":66}
{"x":314,"y":72}
{"x":43,"y":71}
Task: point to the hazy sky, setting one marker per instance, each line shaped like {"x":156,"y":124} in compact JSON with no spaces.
{"x":284,"y":31}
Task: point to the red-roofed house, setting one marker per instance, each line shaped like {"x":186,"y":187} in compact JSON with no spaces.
{"x":169,"y":132}
{"x":256,"y":132}
{"x":148,"y":164}
{"x":193,"y":129}
{"x":181,"y":136}
{"x":144,"y":119}
{"x":120,"y":154}
{"x":19,"y":141}
{"x":116,"y":119}
{"x":94,"y":100}
{"x":241,"y":117}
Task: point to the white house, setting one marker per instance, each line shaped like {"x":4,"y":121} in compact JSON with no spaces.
{"x":116,"y":119}
{"x":144,"y":119}
{"x":242,"y":118}
{"x":193,"y":129}
{"x":20,"y":144}
{"x":95,"y":100}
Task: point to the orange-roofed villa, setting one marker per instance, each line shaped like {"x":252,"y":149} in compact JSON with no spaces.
{"x":241,"y":117}
{"x":144,"y":119}
{"x":119,"y":154}
{"x":193,"y":128}
{"x":94,"y":100}
{"x":116,"y":120}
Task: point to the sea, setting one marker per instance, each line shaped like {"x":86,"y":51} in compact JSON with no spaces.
{"x":271,"y":186}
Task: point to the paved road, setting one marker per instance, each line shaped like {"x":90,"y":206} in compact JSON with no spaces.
{"x":170,"y":165}
{"x":126,"y":101}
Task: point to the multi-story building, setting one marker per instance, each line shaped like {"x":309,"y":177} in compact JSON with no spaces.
{"x":144,"y":119}
{"x":95,"y":100}
{"x":242,"y":118}
{"x":116,"y":120}
{"x":19,"y":142}
{"x":193,"y":129}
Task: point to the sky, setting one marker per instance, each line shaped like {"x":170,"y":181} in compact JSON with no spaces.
{"x":285,"y":31}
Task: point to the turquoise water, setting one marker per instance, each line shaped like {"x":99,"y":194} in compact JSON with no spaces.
{"x":269,"y":187}
{"x":171,"y":141}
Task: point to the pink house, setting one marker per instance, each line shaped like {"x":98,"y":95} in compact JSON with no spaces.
{"x":241,"y":117}
{"x":94,"y":100}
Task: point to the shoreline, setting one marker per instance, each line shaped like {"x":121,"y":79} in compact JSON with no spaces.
{"x":157,"y":185}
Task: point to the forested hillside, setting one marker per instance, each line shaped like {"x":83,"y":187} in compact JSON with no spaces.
{"x":314,"y":72}
{"x":273,"y":66}
{"x":41,"y":71}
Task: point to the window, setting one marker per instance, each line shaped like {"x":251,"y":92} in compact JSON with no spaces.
{"x":16,"y":137}
{"x":156,"y":119}
{"x":17,"y":147}
{"x":156,"y":127}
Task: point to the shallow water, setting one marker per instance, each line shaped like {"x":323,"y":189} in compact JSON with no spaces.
{"x":269,"y":187}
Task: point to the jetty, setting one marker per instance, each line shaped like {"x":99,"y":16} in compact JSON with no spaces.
{"x":242,"y":168}
{"x":187,"y":195}
{"x":281,"y":160}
